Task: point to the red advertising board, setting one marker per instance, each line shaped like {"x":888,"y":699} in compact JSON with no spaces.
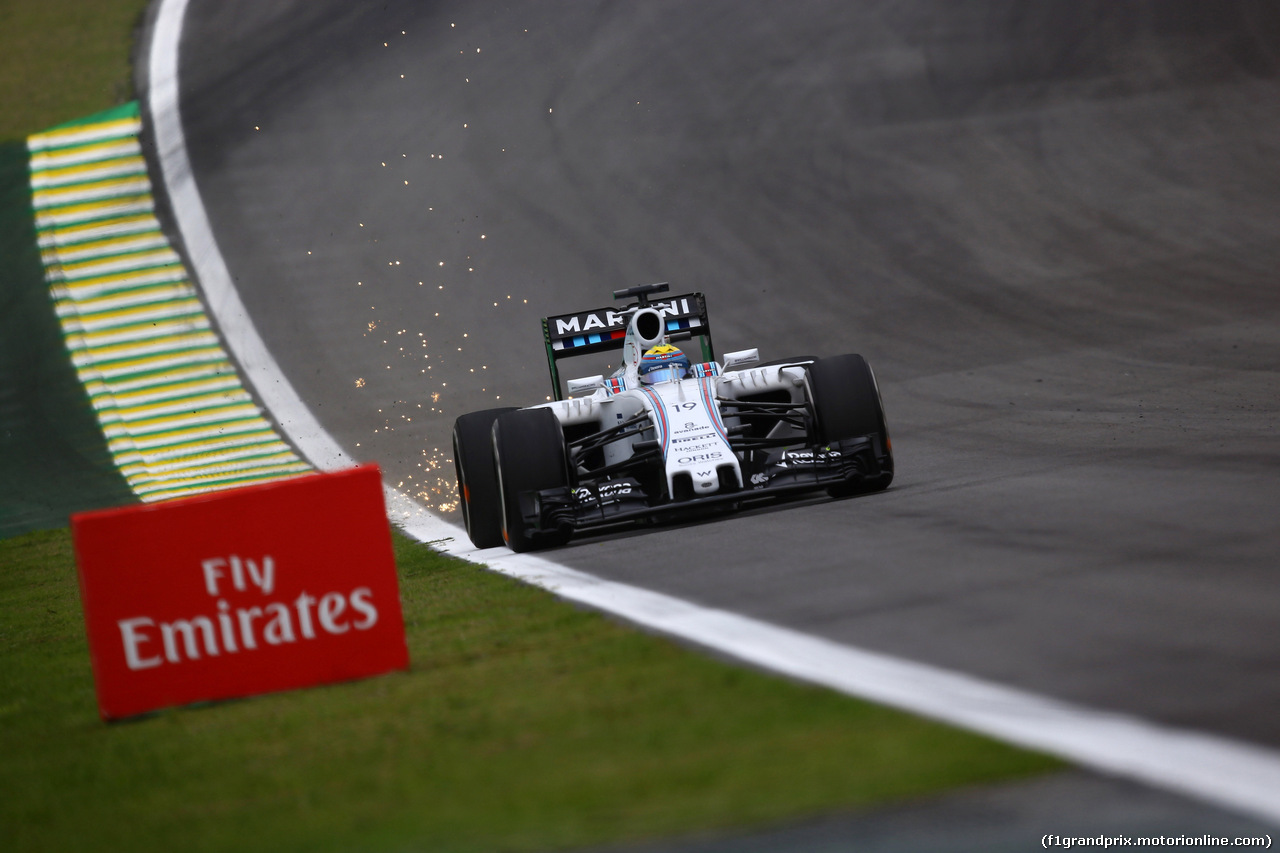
{"x":234,"y":593}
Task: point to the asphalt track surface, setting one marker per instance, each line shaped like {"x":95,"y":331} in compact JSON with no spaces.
{"x":1051,"y":227}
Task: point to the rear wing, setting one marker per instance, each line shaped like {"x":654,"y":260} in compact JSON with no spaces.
{"x":606,"y":328}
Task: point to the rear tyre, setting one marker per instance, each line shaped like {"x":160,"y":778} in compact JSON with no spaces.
{"x":530,"y":455}
{"x":477,"y":478}
{"x":846,"y":404}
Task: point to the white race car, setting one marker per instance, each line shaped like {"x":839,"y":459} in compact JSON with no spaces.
{"x":665,"y":437}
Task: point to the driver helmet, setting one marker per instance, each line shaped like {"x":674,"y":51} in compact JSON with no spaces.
{"x":663,"y":363}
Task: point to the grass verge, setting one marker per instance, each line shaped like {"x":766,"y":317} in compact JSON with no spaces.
{"x":62,"y":59}
{"x":524,"y":724}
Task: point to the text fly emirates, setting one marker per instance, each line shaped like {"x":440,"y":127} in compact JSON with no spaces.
{"x":238,"y":629}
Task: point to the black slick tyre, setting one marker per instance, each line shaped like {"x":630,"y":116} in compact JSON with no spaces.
{"x":846,"y":404}
{"x":478,"y":496}
{"x":530,"y":456}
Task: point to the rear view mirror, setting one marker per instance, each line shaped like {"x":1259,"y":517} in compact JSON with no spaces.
{"x":741,"y":358}
{"x":585,"y":385}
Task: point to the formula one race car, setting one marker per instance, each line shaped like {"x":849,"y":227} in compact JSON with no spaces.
{"x":662,"y":437}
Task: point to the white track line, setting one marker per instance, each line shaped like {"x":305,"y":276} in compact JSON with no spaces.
{"x":209,"y":268}
{"x":1239,"y":776}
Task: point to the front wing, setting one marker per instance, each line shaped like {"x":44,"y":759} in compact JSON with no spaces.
{"x":768,"y":474}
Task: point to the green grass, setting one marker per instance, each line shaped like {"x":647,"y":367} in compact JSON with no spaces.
{"x":62,"y":59}
{"x":524,"y":724}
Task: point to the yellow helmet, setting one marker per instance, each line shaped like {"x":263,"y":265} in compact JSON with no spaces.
{"x":663,"y":363}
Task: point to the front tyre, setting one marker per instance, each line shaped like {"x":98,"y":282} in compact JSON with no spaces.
{"x":846,"y":404}
{"x":478,"y":495}
{"x":530,"y":456}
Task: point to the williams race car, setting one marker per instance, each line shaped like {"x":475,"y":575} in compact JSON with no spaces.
{"x":664,"y":437}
